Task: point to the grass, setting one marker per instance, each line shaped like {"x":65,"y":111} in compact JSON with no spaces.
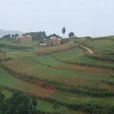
{"x":32,"y":44}
{"x":7,"y":93}
{"x":101,"y":44}
{"x":9,"y":81}
{"x":53,"y":71}
{"x":81,"y":99}
{"x":44,"y":106}
{"x":67,"y":69}
{"x":79,"y":56}
{"x":48,"y":107}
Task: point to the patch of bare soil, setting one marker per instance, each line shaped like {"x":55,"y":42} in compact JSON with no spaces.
{"x":34,"y":89}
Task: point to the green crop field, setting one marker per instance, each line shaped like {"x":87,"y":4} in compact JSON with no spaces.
{"x":79,"y":82}
{"x":102,"y":44}
{"x":8,"y":81}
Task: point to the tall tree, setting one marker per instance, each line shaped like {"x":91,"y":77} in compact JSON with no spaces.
{"x":63,"y":30}
{"x":71,"y":34}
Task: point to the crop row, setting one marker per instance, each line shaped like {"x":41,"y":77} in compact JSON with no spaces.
{"x":91,"y":108}
{"x":86,"y":90}
{"x":86,"y":107}
{"x":89,"y":64}
{"x":103,"y":58}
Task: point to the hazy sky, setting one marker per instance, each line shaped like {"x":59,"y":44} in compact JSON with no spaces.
{"x":84,"y":17}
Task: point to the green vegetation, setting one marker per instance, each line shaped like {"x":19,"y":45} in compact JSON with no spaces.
{"x":103,"y":44}
{"x":63,"y":81}
{"x":18,"y":103}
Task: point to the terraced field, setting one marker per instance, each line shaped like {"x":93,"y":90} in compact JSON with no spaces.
{"x":86,"y":82}
{"x":105,"y":51}
{"x":8,"y":81}
{"x":55,"y":71}
{"x":103,"y":44}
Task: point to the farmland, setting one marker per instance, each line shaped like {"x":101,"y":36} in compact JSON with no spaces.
{"x":85,"y":80}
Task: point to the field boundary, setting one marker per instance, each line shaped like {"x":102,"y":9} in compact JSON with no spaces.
{"x":49,"y":50}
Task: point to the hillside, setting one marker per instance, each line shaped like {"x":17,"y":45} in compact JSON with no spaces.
{"x":79,"y":82}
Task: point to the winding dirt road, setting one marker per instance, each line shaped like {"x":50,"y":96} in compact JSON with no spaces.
{"x":87,"y":49}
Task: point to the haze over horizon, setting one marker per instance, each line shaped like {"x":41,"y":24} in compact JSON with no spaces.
{"x":84,"y":17}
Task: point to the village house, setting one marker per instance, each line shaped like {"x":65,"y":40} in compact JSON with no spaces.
{"x":52,"y":41}
{"x":24,"y":38}
{"x":55,"y":41}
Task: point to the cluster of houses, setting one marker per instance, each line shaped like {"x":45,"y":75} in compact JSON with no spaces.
{"x":24,"y":38}
{"x":52,"y":41}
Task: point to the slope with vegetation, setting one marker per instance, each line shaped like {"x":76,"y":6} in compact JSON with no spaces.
{"x":85,"y":81}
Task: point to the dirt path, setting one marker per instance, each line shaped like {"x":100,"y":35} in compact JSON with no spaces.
{"x":87,"y":49}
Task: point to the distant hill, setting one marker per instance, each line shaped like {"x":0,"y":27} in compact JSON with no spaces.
{"x":5,"y":32}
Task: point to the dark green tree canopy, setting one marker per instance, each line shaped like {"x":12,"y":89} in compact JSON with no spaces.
{"x":19,"y":103}
{"x":63,"y":30}
{"x":14,"y":35}
{"x":54,"y":35}
{"x":8,"y":36}
{"x":38,"y":35}
{"x":1,"y":97}
{"x":71,"y":34}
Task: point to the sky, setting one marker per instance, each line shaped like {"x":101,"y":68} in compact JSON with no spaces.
{"x":83,"y":17}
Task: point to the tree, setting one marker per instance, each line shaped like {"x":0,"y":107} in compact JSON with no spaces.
{"x":34,"y":102}
{"x":63,"y":30}
{"x":19,"y":103}
{"x":8,"y":36}
{"x":1,"y":97}
{"x":38,"y":36}
{"x":2,"y":106}
{"x":56,"y":105}
{"x":54,"y":35}
{"x":71,"y":34}
{"x":14,"y":35}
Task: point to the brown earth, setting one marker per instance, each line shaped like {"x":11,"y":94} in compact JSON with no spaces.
{"x":48,"y":50}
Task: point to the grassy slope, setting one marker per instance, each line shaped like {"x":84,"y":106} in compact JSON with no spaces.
{"x":102,"y":44}
{"x":50,"y":69}
{"x":32,"y":44}
{"x":78,"y":56}
{"x":9,"y":81}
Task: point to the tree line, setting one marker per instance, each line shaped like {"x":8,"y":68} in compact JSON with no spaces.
{"x":39,"y":35}
{"x":18,"y":103}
